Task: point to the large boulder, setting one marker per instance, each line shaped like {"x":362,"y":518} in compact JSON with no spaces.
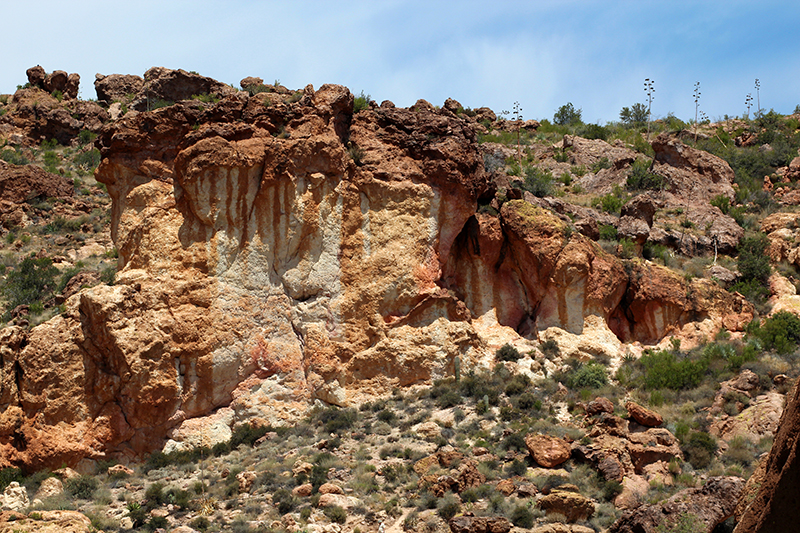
{"x":117,"y":87}
{"x":19,"y":183}
{"x":568,"y":503}
{"x":770,"y":505}
{"x":699,"y":510}
{"x":547,"y":451}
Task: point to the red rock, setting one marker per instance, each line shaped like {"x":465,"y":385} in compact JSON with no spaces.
{"x":644,"y":416}
{"x":303,"y":490}
{"x":479,"y":524}
{"x":599,"y":405}
{"x":330,"y":488}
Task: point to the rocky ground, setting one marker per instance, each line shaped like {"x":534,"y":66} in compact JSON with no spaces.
{"x":328,"y":314}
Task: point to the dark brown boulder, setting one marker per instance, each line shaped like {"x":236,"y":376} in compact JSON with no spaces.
{"x":19,"y":183}
{"x":56,"y":81}
{"x":479,"y":524}
{"x":117,"y":87}
{"x":36,"y":76}
{"x":700,"y":509}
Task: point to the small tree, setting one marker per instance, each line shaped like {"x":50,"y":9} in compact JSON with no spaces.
{"x":635,"y":115}
{"x":567,"y":115}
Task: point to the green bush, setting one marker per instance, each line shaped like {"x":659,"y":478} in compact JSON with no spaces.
{"x":522,"y":517}
{"x":88,"y":160}
{"x":507,"y":353}
{"x":600,"y":164}
{"x":9,"y":474}
{"x":336,"y":514}
{"x":448,"y":507}
{"x":247,"y":434}
{"x":636,"y":115}
{"x":722,"y":202}
{"x":31,"y":281}
{"x":81,"y":487}
{"x":611,"y":202}
{"x":361,"y":102}
{"x":538,"y":182}
{"x":336,"y":420}
{"x":592,"y":375}
{"x":641,"y":178}
{"x":780,"y":332}
{"x":14,"y":157}
{"x":518,"y":384}
{"x":664,"y":370}
{"x":700,"y":449}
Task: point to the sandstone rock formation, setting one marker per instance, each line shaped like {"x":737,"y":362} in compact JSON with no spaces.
{"x":279,"y":249}
{"x":547,"y":451}
{"x":479,"y":524}
{"x":58,"y":80}
{"x":567,"y":502}
{"x":698,"y":510}
{"x":771,"y":506}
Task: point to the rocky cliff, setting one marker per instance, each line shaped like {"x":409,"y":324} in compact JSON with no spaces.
{"x":278,"y":249}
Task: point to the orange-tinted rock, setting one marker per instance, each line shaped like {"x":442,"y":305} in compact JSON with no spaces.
{"x":303,"y":490}
{"x":479,"y":524}
{"x":547,"y":451}
{"x":571,"y":505}
{"x":644,"y":416}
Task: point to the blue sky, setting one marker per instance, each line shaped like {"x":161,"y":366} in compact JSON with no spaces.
{"x":595,"y":54}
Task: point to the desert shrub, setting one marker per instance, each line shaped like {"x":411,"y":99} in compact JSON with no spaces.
{"x":81,"y":487}
{"x":600,"y":164}
{"x":9,"y":474}
{"x":361,"y":102}
{"x":88,"y":161}
{"x":592,"y":375}
{"x":527,"y":401}
{"x":538,"y":182}
{"x":31,"y":281}
{"x":445,"y":393}
{"x":448,"y":507}
{"x":594,"y":131}
{"x":387,"y":415}
{"x":518,"y":384}
{"x":201,"y":523}
{"x":641,"y":178}
{"x":722,"y":202}
{"x":627,"y":249}
{"x":663,"y":369}
{"x":685,"y":523}
{"x":611,"y":202}
{"x":699,"y":449}
{"x":14,"y":157}
{"x":517,"y":467}
{"x":654,"y":251}
{"x":336,"y":514}
{"x":507,"y":353}
{"x":513,"y":441}
{"x":780,"y":332}
{"x":247,"y":434}
{"x":51,"y":161}
{"x":608,"y":232}
{"x":336,"y":420}
{"x":284,"y":500}
{"x":522,"y":517}
{"x":137,"y":514}
{"x":157,"y":522}
{"x":85,"y":137}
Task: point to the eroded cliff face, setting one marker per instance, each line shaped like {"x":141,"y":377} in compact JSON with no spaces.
{"x":275,"y":251}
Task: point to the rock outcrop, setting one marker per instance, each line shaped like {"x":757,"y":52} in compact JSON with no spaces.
{"x":698,"y":510}
{"x":278,"y":249}
{"x":772,"y":503}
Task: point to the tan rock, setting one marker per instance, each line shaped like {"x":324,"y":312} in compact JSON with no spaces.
{"x":119,"y":470}
{"x":547,"y":451}
{"x":51,"y":522}
{"x":506,"y":487}
{"x":51,"y":486}
{"x":345,"y":502}
{"x":479,"y":524}
{"x":303,"y":490}
{"x":330,"y":488}
{"x":572,"y":505}
{"x":599,"y":405}
{"x":246,"y":480}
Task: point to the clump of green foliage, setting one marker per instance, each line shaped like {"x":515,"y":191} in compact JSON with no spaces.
{"x":538,"y":182}
{"x":754,"y":268}
{"x":641,"y":178}
{"x":611,"y":202}
{"x":780,"y":332}
{"x":567,"y":115}
{"x":30,"y":282}
{"x":361,"y":102}
{"x":507,"y":353}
